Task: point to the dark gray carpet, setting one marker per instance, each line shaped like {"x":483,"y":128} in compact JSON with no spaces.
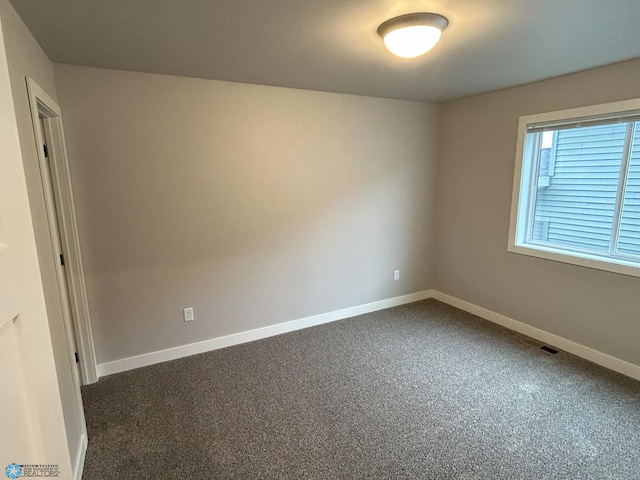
{"x":422,"y":391}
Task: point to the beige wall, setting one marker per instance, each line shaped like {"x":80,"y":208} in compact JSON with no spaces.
{"x":476,"y":156}
{"x":255,"y":205}
{"x":31,"y":412}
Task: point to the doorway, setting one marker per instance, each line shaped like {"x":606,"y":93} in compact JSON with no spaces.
{"x":56,"y":183}
{"x":67,"y":307}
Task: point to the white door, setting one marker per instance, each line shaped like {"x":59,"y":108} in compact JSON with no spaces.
{"x":63,"y":337}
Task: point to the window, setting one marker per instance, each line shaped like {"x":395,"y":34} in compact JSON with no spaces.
{"x":577,"y":187}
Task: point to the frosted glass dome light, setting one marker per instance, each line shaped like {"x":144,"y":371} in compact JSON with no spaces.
{"x":412,"y":35}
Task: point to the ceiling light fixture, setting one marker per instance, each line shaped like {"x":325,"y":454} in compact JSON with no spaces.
{"x":412,"y":35}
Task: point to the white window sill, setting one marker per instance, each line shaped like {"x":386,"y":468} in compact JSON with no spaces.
{"x":615,"y":265}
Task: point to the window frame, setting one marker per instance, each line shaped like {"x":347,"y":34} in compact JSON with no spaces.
{"x":518,"y":228}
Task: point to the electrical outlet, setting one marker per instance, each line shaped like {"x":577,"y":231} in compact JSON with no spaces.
{"x":396,"y":274}
{"x":187,"y":313}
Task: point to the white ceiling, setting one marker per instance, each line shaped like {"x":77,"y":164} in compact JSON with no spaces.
{"x":332,"y":45}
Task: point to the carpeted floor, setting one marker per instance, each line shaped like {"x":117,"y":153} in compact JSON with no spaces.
{"x":422,"y":391}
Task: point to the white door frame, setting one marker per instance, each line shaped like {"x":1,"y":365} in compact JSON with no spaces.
{"x":42,"y":105}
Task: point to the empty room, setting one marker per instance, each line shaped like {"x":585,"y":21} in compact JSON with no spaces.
{"x":320,"y":240}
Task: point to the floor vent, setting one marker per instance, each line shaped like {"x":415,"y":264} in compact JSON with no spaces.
{"x":536,"y":344}
{"x":548,"y":349}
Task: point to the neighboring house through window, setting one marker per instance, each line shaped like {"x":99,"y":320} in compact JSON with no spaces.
{"x":577,"y":187}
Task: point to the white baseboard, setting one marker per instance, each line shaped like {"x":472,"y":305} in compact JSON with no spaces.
{"x":587,"y":353}
{"x":174,"y":353}
{"x":79,"y":466}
